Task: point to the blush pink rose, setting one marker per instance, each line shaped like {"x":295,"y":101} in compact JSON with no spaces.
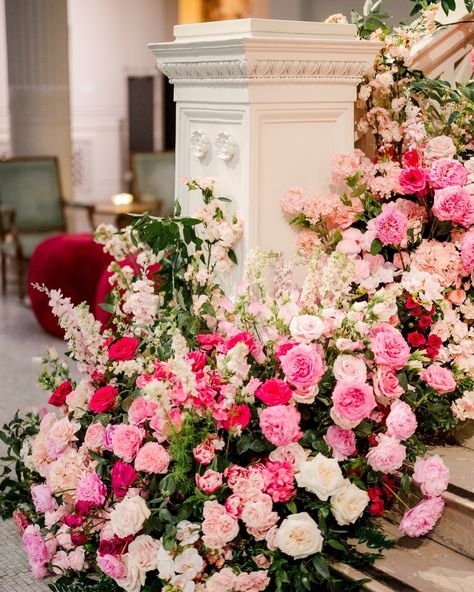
{"x":42,"y":499}
{"x":209,"y":482}
{"x":440,"y":147}
{"x":401,"y":421}
{"x":280,"y":424}
{"x":454,"y":204}
{"x":303,"y":365}
{"x":352,"y":402}
{"x":389,"y":347}
{"x":347,"y":367}
{"x":391,"y":226}
{"x":447,"y":172}
{"x":94,"y":438}
{"x":274,"y":392}
{"x":412,"y":180}
{"x":152,"y":458}
{"x":126,"y":441}
{"x":141,"y":410}
{"x":255,"y":581}
{"x":467,"y":251}
{"x":387,"y":456}
{"x":218,"y":526}
{"x":342,"y":442}
{"x":91,"y":489}
{"x":432,"y":475}
{"x":386,"y":383}
{"x":221,"y":581}
{"x":439,"y":379}
{"x":256,"y":510}
{"x":112,"y":566}
{"x":421,"y":519}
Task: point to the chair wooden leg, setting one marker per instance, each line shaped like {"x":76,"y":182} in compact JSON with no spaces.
{"x":3,"y":264}
{"x":20,"y":263}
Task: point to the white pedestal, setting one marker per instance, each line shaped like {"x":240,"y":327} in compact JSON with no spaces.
{"x":263,"y":105}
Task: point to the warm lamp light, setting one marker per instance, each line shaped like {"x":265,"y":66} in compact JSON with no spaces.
{"x":122,"y":199}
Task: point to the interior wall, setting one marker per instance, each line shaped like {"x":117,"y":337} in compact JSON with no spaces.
{"x":4,"y":114}
{"x":108,"y":42}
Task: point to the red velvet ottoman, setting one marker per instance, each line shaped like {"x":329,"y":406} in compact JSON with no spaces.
{"x":72,"y":263}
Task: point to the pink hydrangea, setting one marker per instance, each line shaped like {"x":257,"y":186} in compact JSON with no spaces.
{"x":91,"y":489}
{"x":389,"y":347}
{"x":447,"y":172}
{"x":279,"y":480}
{"x":432,"y":475}
{"x":342,"y":442}
{"x":126,"y":440}
{"x":401,"y":421}
{"x":412,"y":180}
{"x":141,"y":410}
{"x":152,"y":458}
{"x":454,"y":204}
{"x":439,"y":379}
{"x":387,"y":456}
{"x":209,"y":482}
{"x":391,"y":226}
{"x":467,"y":251}
{"x":421,"y":519}
{"x":42,"y":499}
{"x":280,"y":424}
{"x":303,"y":365}
{"x":352,"y":402}
{"x":292,"y":202}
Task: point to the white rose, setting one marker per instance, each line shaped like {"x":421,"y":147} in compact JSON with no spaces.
{"x":306,"y":327}
{"x":320,"y":475}
{"x":128,"y":516}
{"x":135,"y":578}
{"x":143,"y":552}
{"x":189,"y":562}
{"x":348,"y":503}
{"x":165,"y":564}
{"x":347,"y":367}
{"x":299,"y":536}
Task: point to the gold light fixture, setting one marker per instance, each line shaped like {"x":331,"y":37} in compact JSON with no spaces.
{"x":122,"y":199}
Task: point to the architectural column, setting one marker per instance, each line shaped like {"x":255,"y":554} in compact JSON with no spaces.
{"x":4,"y":116}
{"x":263,"y":105}
{"x":37,"y":42}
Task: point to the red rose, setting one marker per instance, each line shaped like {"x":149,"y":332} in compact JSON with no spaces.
{"x":122,"y":476}
{"x":416,"y":339}
{"x":58,"y":398}
{"x":124,"y":349}
{"x":274,"y":392}
{"x":238,"y":415}
{"x":103,"y":399}
{"x":377,"y":508}
{"x":409,"y":302}
{"x":434,"y":341}
{"x":425,"y":321}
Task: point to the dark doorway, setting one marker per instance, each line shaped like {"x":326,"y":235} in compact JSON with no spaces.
{"x":140,"y":113}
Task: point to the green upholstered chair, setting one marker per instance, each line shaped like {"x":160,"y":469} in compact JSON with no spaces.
{"x":31,"y":210}
{"x":153,"y":180}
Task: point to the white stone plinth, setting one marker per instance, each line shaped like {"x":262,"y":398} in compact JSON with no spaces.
{"x":263,"y":105}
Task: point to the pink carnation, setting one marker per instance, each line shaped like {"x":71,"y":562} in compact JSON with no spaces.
{"x":401,"y":421}
{"x":126,"y":440}
{"x":91,"y":490}
{"x":293,"y":201}
{"x":391,"y":226}
{"x":279,"y":481}
{"x":141,"y":410}
{"x":454,"y":204}
{"x":210,"y":481}
{"x":447,"y":172}
{"x":389,"y":347}
{"x":280,"y":424}
{"x":412,"y":180}
{"x":352,"y":402}
{"x":42,"y":499}
{"x":303,"y":365}
{"x":152,"y":458}
{"x":421,"y":519}
{"x":387,"y":456}
{"x":432,"y":475}
{"x":439,"y":379}
{"x":342,"y":442}
{"x":467,"y":251}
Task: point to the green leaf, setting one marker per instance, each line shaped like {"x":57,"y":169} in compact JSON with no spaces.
{"x":376,"y":246}
{"x":321,"y":566}
{"x":232,"y":256}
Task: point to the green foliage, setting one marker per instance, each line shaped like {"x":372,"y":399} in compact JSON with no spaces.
{"x":371,"y":19}
{"x":447,"y":5}
{"x":79,"y":582}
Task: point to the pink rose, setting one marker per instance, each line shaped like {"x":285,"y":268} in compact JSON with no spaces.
{"x":221,"y":581}
{"x":447,"y":172}
{"x":391,"y":226}
{"x":256,"y":510}
{"x":112,"y":566}
{"x":352,"y":402}
{"x":126,"y":440}
{"x":454,"y":204}
{"x":143,"y":552}
{"x":432,"y":475}
{"x":122,"y":477}
{"x":439,"y":379}
{"x":76,"y":559}
{"x":440,"y":147}
{"x":218,"y":526}
{"x":467,"y":251}
{"x":255,"y":581}
{"x":94,"y":437}
{"x":292,"y":453}
{"x":280,"y":424}
{"x":91,"y":490}
{"x":20,"y":521}
{"x":124,"y":349}
{"x":274,"y":392}
{"x":303,"y":365}
{"x":103,"y":399}
{"x":42,"y":499}
{"x":61,"y":433}
{"x":141,"y":410}
{"x":386,"y":383}
{"x":412,"y":180}
{"x":421,"y":519}
{"x":342,"y":442}
{"x":152,"y":458}
{"x":347,"y":367}
{"x":307,"y":327}
{"x":387,"y":456}
{"x":401,"y":421}
{"x":209,"y":482}
{"x":389,"y":347}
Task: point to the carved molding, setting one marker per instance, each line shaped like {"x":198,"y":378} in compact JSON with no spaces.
{"x":245,"y":70}
{"x":226,"y":146}
{"x":199,"y":144}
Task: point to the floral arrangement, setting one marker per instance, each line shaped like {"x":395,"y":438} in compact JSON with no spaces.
{"x":247,"y":444}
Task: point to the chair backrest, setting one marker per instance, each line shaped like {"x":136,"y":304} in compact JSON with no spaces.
{"x":31,"y":187}
{"x":153,"y":177}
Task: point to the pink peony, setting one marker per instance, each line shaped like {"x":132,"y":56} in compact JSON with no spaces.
{"x":401,"y":421}
{"x":412,"y":180}
{"x":124,"y":349}
{"x":467,"y":251}
{"x":280,"y":424}
{"x":126,"y":440}
{"x":36,"y":549}
{"x":42,"y":499}
{"x":274,"y":392}
{"x":152,"y":458}
{"x":112,"y":566}
{"x":386,"y":383}
{"x":91,"y":490}
{"x":387,"y":456}
{"x":421,"y":519}
{"x":303,"y":365}
{"x":447,"y":172}
{"x":279,"y":480}
{"x":352,"y":402}
{"x":439,"y":379}
{"x":391,"y":226}
{"x":454,"y":204}
{"x":122,"y":477}
{"x":389,"y":347}
{"x":432,"y":475}
{"x":209,"y":482}
{"x":76,"y":559}
{"x":141,"y":410}
{"x":94,"y":437}
{"x":342,"y":442}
